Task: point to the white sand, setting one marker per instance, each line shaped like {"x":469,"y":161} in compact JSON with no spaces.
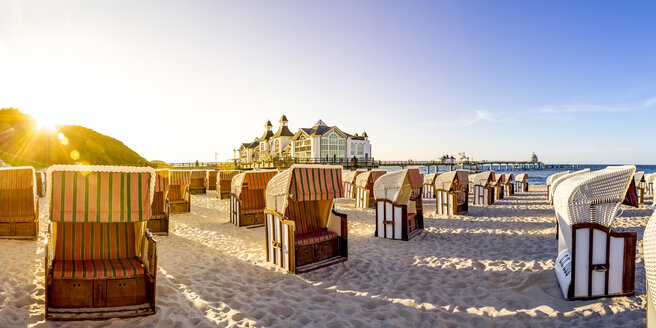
{"x":492,"y":268}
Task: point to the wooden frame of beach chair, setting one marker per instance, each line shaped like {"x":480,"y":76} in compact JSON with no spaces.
{"x":100,"y":259}
{"x":179,"y":195}
{"x":550,"y":180}
{"x":349,"y":183}
{"x":224,"y":183}
{"x":303,"y":230}
{"x":428,"y":189}
{"x":483,"y":188}
{"x":19,"y":203}
{"x":211,"y":179}
{"x":641,"y":186}
{"x":452,"y":193}
{"x":593,"y":260}
{"x":399,"y":212}
{"x":40,"y":183}
{"x":159,"y":220}
{"x":521,"y":182}
{"x":364,"y":188}
{"x":198,"y":182}
{"x":560,"y":179}
{"x":248,"y":197}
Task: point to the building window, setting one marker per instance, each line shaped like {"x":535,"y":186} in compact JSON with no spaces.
{"x":333,"y":145}
{"x":277,"y":147}
{"x":360,"y":150}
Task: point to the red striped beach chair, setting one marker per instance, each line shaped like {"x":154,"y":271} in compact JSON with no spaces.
{"x":179,"y":195}
{"x":349,"y":183}
{"x":521,"y":182}
{"x":364,"y":188}
{"x":247,"y":200}
{"x":101,"y":261}
{"x":429,"y":185}
{"x":159,"y":221}
{"x":452,"y":193}
{"x":593,"y":260}
{"x":399,"y":213}
{"x":197,"y":182}
{"x":483,"y":188}
{"x":224,"y":183}
{"x":303,"y":230}
{"x":19,"y":203}
{"x":211,"y":179}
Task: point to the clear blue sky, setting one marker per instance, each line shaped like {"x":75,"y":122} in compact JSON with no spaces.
{"x":179,"y":80}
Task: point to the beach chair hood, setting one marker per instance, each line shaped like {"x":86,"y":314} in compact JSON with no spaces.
{"x":522,"y":177}
{"x":251,"y":180}
{"x":397,"y":186}
{"x":591,"y":197}
{"x":430,"y":178}
{"x":368,"y":177}
{"x":162,"y":180}
{"x":179,"y":178}
{"x":484,"y":178}
{"x":649,"y":247}
{"x":446,"y":181}
{"x":18,"y":177}
{"x":563,"y":177}
{"x":351,"y":176}
{"x":304,"y":183}
{"x":551,"y":178}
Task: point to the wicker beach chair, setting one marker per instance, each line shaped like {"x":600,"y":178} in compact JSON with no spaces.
{"x":224,"y":183}
{"x":508,"y":184}
{"x":399,"y":213}
{"x":521,"y":182}
{"x":498,"y":184}
{"x":483,"y":185}
{"x":19,"y":203}
{"x":649,"y":247}
{"x":429,"y":185}
{"x":197,"y":182}
{"x":364,"y":188}
{"x":560,"y":179}
{"x":40,"y":183}
{"x":247,"y":200}
{"x":211,"y":179}
{"x":452,"y":193}
{"x":640,"y":185}
{"x":349,"y":183}
{"x":550,"y":180}
{"x":100,"y":260}
{"x":159,"y":220}
{"x":179,"y":195}
{"x":593,"y":260}
{"x":649,"y":178}
{"x":303,"y":230}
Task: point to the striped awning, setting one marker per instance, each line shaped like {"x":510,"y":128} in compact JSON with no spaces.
{"x":100,"y":193}
{"x":252,"y":180}
{"x":212,"y":174}
{"x":12,"y":178}
{"x":304,"y":183}
{"x":198,"y":174}
{"x":162,"y":178}
{"x":228,"y":174}
{"x":179,"y":178}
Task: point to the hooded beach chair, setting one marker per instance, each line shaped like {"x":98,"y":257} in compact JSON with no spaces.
{"x":498,"y":184}
{"x":483,"y":184}
{"x":40,"y":183}
{"x":159,"y":219}
{"x":649,"y":178}
{"x":649,"y":247}
{"x":19,"y":203}
{"x":364,"y":188}
{"x":303,"y":230}
{"x":224,"y":183}
{"x":179,"y":195}
{"x":349,"y":183}
{"x":399,"y":212}
{"x":560,"y":179}
{"x":521,"y":182}
{"x":429,"y":185}
{"x":100,"y":259}
{"x":508,"y":184}
{"x":452,"y":193}
{"x":593,"y":260}
{"x":247,"y":200}
{"x":211,"y":179}
{"x":197,"y":182}
{"x":550,"y":180}
{"x":640,"y":185}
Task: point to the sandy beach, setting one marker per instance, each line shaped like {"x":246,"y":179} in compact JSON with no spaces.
{"x":493,"y":267}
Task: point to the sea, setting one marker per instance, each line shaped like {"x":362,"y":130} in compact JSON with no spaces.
{"x":535,"y":176}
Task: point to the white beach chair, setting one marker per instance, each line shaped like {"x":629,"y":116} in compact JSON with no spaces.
{"x":451,"y":194}
{"x":649,"y":248}
{"x":550,"y":180}
{"x":649,"y":178}
{"x":521,"y":182}
{"x":348,"y":180}
{"x":429,"y":185}
{"x":483,"y":189}
{"x":399,"y":212}
{"x":508,"y":184}
{"x":640,"y":185}
{"x":556,"y":182}
{"x":593,"y":260}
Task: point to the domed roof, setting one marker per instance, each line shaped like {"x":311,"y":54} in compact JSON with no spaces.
{"x":283,"y":118}
{"x":364,"y":134}
{"x":534,"y":158}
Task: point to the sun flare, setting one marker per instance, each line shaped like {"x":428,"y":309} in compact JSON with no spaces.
{"x":45,"y":123}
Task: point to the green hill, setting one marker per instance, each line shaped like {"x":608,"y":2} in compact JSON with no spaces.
{"x":23,"y":143}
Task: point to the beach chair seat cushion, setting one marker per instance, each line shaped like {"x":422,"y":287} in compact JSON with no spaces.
{"x":314,"y":237}
{"x":17,"y":219}
{"x":98,"y":269}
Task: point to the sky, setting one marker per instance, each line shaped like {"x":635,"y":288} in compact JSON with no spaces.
{"x":573,"y":81}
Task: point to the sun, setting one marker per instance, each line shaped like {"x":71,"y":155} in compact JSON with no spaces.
{"x":45,"y":123}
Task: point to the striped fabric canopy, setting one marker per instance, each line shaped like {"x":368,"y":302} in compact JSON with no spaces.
{"x":198,"y":174}
{"x":162,"y":180}
{"x":100,"y":193}
{"x":252,"y":180}
{"x":179,"y":178}
{"x":212,"y":173}
{"x":228,"y":174}
{"x":22,"y":177}
{"x":304,"y":183}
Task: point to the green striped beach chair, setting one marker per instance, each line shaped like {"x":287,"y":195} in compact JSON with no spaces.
{"x":303,"y":230}
{"x":101,"y":261}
